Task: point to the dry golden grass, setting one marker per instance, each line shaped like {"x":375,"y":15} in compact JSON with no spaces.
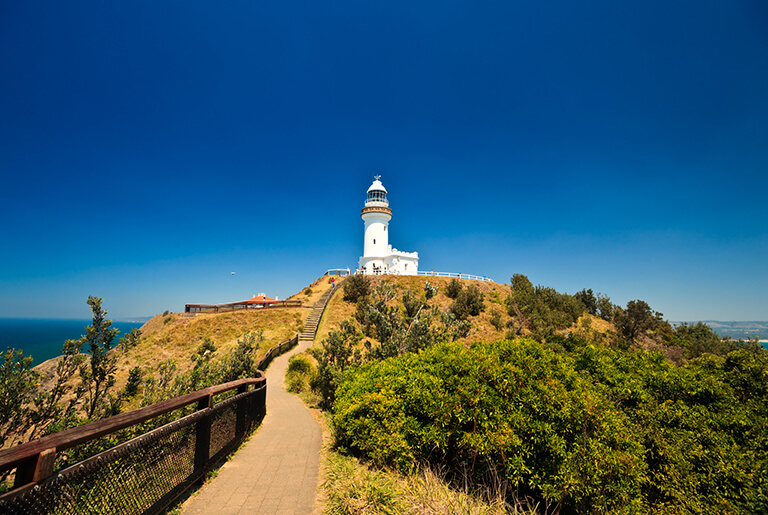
{"x":351,"y":487}
{"x":317,"y":288}
{"x":335,"y":312}
{"x":176,"y":337}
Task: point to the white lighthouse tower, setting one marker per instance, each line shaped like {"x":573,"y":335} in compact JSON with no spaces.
{"x":378,"y":255}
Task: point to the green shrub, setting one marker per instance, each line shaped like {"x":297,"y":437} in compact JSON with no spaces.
{"x":512,"y":409}
{"x":335,"y":356}
{"x":300,"y":374}
{"x":205,"y":351}
{"x":134,"y":381}
{"x":131,"y":339}
{"x":468,"y":302}
{"x":496,"y":319}
{"x":299,"y":364}
{"x":706,"y":443}
{"x":697,"y":339}
{"x":453,"y":289}
{"x":540,"y":309}
{"x":356,"y":287}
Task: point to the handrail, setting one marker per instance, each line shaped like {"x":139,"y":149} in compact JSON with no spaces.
{"x":34,"y":461}
{"x":14,"y":456}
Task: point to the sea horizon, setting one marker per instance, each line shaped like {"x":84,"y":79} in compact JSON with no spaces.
{"x":43,"y":338}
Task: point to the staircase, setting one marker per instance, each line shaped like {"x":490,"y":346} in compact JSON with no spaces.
{"x":310,"y":326}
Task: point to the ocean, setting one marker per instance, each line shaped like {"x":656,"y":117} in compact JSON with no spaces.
{"x":43,"y":338}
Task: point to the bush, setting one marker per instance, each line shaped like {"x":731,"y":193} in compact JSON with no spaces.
{"x":134,"y":381}
{"x":485,"y":412}
{"x":335,"y":356}
{"x":205,"y":351}
{"x":453,"y":289}
{"x":697,"y":339}
{"x":300,"y":373}
{"x":542,"y":310}
{"x":469,"y":302}
{"x":131,"y":339}
{"x":496,"y":319}
{"x":356,"y":287}
{"x":299,"y":364}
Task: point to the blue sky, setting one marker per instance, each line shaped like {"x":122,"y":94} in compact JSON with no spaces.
{"x":149,"y":149}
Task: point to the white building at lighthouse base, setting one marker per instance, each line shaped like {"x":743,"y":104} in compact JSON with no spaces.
{"x":392,"y":262}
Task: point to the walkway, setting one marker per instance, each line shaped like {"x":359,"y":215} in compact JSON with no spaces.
{"x":276,"y":471}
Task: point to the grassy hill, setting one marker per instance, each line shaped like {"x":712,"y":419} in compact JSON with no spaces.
{"x":482,"y":329}
{"x":176,"y":337}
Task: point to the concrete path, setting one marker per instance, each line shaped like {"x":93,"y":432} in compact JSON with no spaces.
{"x":276,"y":471}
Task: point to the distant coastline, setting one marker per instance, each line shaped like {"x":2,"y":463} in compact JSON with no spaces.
{"x":737,"y":330}
{"x":43,"y":338}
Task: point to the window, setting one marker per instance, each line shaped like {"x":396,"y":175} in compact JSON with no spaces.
{"x":374,"y":241}
{"x":377,"y":196}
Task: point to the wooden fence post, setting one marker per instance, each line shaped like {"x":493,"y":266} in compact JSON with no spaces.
{"x":240,"y":421}
{"x":36,"y":469}
{"x":203,"y":434}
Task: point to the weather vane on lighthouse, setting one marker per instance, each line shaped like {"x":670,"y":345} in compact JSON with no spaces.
{"x":378,"y":255}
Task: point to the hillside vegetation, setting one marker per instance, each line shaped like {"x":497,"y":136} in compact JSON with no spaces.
{"x":175,"y":337}
{"x":104,"y":373}
{"x":495,"y":296}
{"x":571,"y":403}
{"x":528,"y":398}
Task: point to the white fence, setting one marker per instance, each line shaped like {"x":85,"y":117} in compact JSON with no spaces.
{"x":432,"y":274}
{"x":337,"y":271}
{"x":453,"y":274}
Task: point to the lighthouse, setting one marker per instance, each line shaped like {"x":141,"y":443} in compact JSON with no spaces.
{"x":378,"y":255}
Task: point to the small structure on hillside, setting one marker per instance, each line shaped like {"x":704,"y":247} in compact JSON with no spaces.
{"x":259,"y":301}
{"x":378,"y":255}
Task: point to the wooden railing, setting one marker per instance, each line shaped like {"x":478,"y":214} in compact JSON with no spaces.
{"x":277,"y":350}
{"x":237,"y":306}
{"x":163,"y":462}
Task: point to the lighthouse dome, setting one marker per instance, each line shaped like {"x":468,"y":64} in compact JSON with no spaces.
{"x":377,"y":193}
{"x":377,"y":186}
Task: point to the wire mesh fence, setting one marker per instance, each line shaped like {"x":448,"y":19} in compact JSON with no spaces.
{"x":146,"y":473}
{"x":126,"y":464}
